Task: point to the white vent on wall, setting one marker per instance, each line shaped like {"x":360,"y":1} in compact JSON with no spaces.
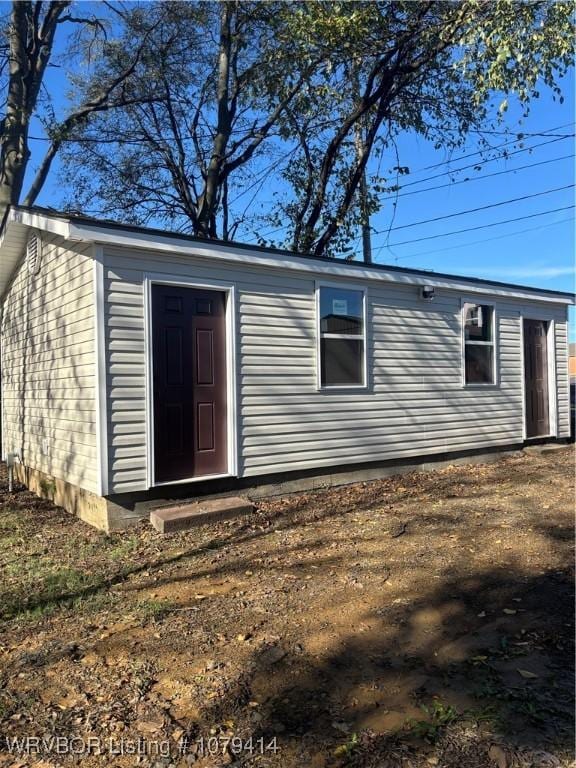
{"x":34,"y":253}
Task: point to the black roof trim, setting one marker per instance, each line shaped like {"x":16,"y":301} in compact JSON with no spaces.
{"x":115,"y":225}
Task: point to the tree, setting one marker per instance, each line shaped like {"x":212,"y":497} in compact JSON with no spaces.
{"x":224,"y":83}
{"x":301,"y":96}
{"x":30,"y":37}
{"x":429,"y":67}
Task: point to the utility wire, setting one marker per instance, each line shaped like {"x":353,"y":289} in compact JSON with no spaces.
{"x":478,"y":178}
{"x":474,"y":210}
{"x":115,"y":139}
{"x":481,"y":226}
{"x":476,"y":242}
{"x":519,"y":137}
{"x":483,"y":162}
{"x":460,"y":181}
{"x":522,"y":134}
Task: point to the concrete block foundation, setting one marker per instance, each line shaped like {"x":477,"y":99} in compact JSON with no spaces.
{"x":87,"y":506}
{"x":120,"y":512}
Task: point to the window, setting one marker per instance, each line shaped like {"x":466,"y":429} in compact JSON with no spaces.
{"x":342,"y":343}
{"x":479,"y":345}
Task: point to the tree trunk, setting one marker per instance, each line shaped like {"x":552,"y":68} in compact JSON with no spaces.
{"x":14,"y":150}
{"x":30,"y":47}
{"x":209,"y":198}
{"x":360,"y":146}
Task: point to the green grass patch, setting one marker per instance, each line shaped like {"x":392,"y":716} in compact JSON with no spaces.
{"x":125,"y":547}
{"x":58,"y":563}
{"x":154,"y":609}
{"x":438,"y":716}
{"x":40,"y":591}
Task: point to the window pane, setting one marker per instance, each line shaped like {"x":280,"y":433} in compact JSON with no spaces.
{"x":341,"y":311}
{"x":479,"y":364}
{"x":341,"y":361}
{"x":478,"y":322}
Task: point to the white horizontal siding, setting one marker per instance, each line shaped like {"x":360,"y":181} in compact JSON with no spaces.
{"x":415,"y":403}
{"x":48,"y":365}
{"x":562,"y":377}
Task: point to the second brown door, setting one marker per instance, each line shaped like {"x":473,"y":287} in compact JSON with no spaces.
{"x":189,"y":382}
{"x":536,"y":378}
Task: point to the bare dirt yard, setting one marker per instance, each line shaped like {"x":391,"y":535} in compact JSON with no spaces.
{"x":423,"y":620}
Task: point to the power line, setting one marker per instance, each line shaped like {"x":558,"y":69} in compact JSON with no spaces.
{"x":519,"y":137}
{"x":115,"y":139}
{"x":480,"y":163}
{"x":521,"y":134}
{"x":478,"y":178}
{"x":474,"y":210}
{"x":476,"y":242}
{"x":461,"y":181}
{"x":482,"y":226}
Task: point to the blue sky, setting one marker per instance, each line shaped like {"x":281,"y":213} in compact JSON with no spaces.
{"x":535,"y":251}
{"x":538,"y":251}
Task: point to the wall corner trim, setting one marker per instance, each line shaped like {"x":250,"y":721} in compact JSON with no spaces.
{"x":100,"y":370}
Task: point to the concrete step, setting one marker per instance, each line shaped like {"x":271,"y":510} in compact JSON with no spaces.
{"x":546,"y":447}
{"x":185,"y":516}
{"x":553,"y":448}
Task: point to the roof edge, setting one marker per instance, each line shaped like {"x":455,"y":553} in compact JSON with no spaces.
{"x":79,"y":227}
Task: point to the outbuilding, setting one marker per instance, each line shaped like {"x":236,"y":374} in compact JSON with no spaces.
{"x":139,"y":364}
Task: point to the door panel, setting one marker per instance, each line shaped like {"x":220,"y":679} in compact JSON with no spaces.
{"x":536,"y":378}
{"x":174,"y":354}
{"x":189,"y":382}
{"x":174,"y":421}
{"x":206,"y":427}
{"x":204,"y":357}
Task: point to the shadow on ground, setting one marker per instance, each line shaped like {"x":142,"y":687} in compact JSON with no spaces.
{"x":417,"y":619}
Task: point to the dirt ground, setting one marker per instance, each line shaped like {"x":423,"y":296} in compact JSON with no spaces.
{"x":416,"y":621}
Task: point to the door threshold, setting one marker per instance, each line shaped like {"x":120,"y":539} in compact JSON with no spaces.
{"x":198,"y":479}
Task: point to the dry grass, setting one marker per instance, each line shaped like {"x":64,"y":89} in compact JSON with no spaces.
{"x":422,"y":620}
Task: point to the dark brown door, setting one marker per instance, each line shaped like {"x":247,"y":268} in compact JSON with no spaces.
{"x":189,"y":371}
{"x":536,"y":378}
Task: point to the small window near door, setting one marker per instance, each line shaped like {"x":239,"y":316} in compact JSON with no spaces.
{"x":479,"y":345}
{"x":342,"y":343}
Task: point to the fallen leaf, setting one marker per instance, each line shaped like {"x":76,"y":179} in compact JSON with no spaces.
{"x":149,"y":726}
{"x":527,"y":674}
{"x":497,"y":755}
{"x":341,"y":726}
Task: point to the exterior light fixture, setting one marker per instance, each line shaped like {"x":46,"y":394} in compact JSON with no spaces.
{"x":427,"y":293}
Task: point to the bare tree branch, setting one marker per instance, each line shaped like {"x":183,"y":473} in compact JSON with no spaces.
{"x":99,"y":103}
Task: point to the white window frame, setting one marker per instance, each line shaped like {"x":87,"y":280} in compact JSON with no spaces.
{"x":476,"y":301}
{"x":154,"y":278}
{"x":319,"y":284}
